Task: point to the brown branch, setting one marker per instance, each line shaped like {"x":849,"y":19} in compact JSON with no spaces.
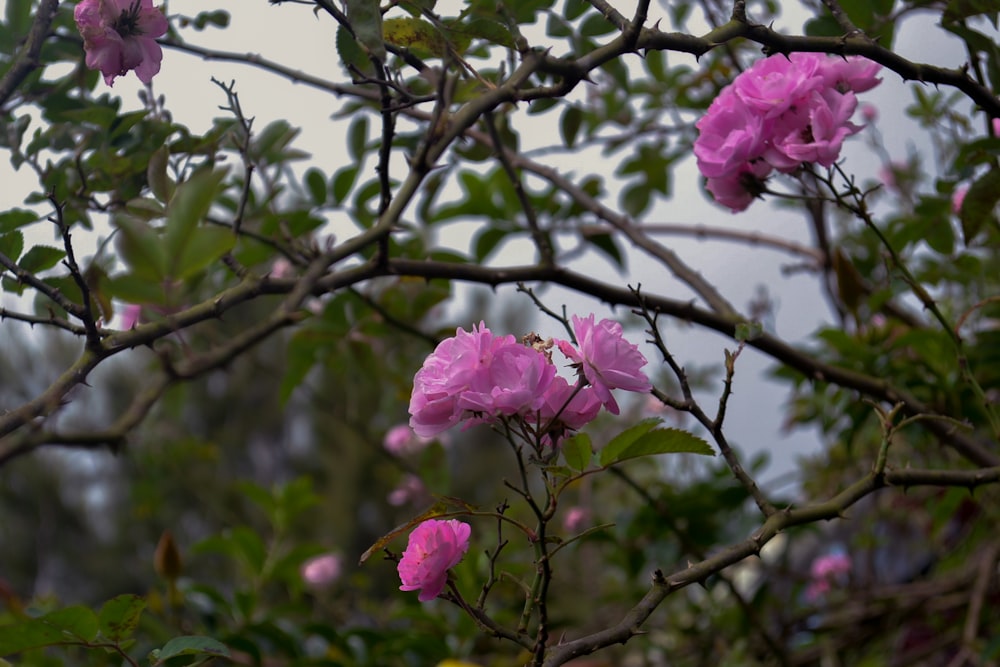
{"x":26,"y":61}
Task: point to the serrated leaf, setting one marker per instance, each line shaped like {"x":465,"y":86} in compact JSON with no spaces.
{"x":119,"y":616}
{"x":446,"y":506}
{"x":578,"y":451}
{"x":665,"y":441}
{"x":979,"y":204}
{"x":40,"y":258}
{"x":191,"y":645}
{"x":623,"y":440}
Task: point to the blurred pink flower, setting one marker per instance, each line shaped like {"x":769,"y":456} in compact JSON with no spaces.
{"x":120,"y":35}
{"x":321,"y":571}
{"x":400,"y":440}
{"x":825,"y":571}
{"x":869,"y":112}
{"x":575,"y":519}
{"x":282,"y":268}
{"x":957,"y":198}
{"x":130,"y":315}
{"x":409,"y":490}
{"x":606,"y":359}
{"x":434,"y":547}
{"x":996,"y":126}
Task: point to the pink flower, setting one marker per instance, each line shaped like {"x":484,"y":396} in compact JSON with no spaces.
{"x":455,"y":365}
{"x":130,"y":315}
{"x":120,"y":35}
{"x":409,"y":490}
{"x":575,"y":519}
{"x":780,"y":113}
{"x":957,"y":198}
{"x":825,"y":571}
{"x":996,"y":126}
{"x":606,"y":359}
{"x":869,"y":112}
{"x":400,"y":440}
{"x":513,"y":383}
{"x":321,"y":571}
{"x":434,"y":547}
{"x":568,"y":408}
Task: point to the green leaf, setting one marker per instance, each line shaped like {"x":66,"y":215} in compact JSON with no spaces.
{"x":357,"y":138}
{"x":141,"y":248}
{"x":191,"y":645}
{"x":33,"y":633}
{"x":78,"y":621}
{"x":416,"y":34}
{"x":205,"y":245}
{"x":662,"y":441}
{"x":622,"y":441}
{"x":343,"y":181}
{"x":365,"y":17}
{"x":316,"y":182}
{"x":15,"y":218}
{"x":40,"y":258}
{"x":569,"y":125}
{"x":12,"y":245}
{"x":979,"y":203}
{"x":578,"y":450}
{"x":160,"y":184}
{"x":119,"y":616}
{"x":608,"y":246}
{"x":188,"y":207}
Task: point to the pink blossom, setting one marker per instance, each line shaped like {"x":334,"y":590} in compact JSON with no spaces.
{"x":996,"y":127}
{"x":321,"y":571}
{"x":120,"y":35}
{"x":606,"y":359}
{"x":434,"y":547}
{"x":455,"y":365}
{"x":575,"y":519}
{"x":409,"y":490}
{"x":958,"y":198}
{"x":568,"y":407}
{"x":400,"y":440}
{"x":130,"y":315}
{"x":825,"y":571}
{"x":513,"y":383}
{"x":869,"y":112}
{"x":778,"y":114}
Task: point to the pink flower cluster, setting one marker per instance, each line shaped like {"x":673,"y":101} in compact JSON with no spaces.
{"x":781,"y":112}
{"x":478,"y":377}
{"x":120,"y":35}
{"x":434,"y":547}
{"x":825,"y":571}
